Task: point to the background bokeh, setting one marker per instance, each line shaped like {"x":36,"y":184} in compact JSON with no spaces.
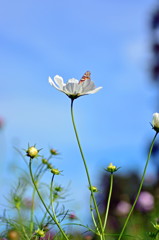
{"x":111,"y":39}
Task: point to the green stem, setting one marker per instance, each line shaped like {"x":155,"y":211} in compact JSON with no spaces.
{"x":35,"y":185}
{"x":51,"y":196}
{"x":86,"y":168}
{"x":108,"y":203}
{"x":140,"y":186}
{"x":93,"y":218}
{"x":22,"y":226}
{"x":32,"y":213}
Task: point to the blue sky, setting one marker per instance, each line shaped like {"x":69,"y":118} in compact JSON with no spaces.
{"x":44,"y":38}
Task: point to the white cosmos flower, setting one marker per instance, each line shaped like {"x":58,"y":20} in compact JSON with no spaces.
{"x":74,"y":88}
{"x":155,"y":121}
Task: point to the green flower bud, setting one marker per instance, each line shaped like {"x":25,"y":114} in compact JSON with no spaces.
{"x":58,"y":188}
{"x":40,"y":233}
{"x":156,"y":225}
{"x":44,"y":161}
{"x":55,"y":171}
{"x":111,"y":168}
{"x":49,"y":166}
{"x":93,"y":188}
{"x":53,"y":152}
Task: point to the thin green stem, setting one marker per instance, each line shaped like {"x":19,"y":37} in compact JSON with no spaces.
{"x":93,"y":218}
{"x":36,"y":188}
{"x":108,"y":203}
{"x":22,"y":226}
{"x":32,"y":212}
{"x":86,"y":168}
{"x":51,"y":196}
{"x":140,"y":187}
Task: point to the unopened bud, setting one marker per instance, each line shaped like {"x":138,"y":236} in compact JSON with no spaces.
{"x":93,"y":188}
{"x":55,"y":171}
{"x":40,"y":233}
{"x":155,"y":122}
{"x":156,"y":225}
{"x":13,"y":235}
{"x":32,"y":152}
{"x":44,"y":161}
{"x":53,"y":152}
{"x":111,"y":168}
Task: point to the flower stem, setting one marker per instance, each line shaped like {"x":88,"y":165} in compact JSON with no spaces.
{"x":86,"y":168}
{"x":22,"y":226}
{"x":32,"y":212}
{"x":140,"y":187}
{"x":93,"y":218}
{"x":51,"y":197}
{"x":54,"y":219}
{"x":108,"y":203}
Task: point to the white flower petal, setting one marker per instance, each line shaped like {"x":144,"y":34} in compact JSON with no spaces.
{"x":73,"y":80}
{"x":53,"y":84}
{"x":155,"y":120}
{"x":94,"y":90}
{"x":65,"y":90}
{"x":89,"y":87}
{"x":59,"y":81}
{"x":72,"y":88}
{"x":85,"y":83}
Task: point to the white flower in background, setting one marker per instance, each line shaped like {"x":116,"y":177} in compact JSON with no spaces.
{"x":155,"y":122}
{"x":75,"y":88}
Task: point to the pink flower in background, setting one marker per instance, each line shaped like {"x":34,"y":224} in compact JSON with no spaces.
{"x":145,"y":201}
{"x":88,"y":237}
{"x":1,"y":122}
{"x":49,"y":235}
{"x":28,"y":203}
{"x":123,"y":208}
{"x":72,"y":216}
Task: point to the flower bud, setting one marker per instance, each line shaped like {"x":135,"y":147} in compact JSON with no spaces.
{"x":72,"y":216}
{"x":155,"y":122}
{"x":58,"y":188}
{"x":32,"y":152}
{"x":55,"y":171}
{"x":156,"y":226}
{"x":40,"y":233}
{"x":44,"y":161}
{"x":111,"y":168}
{"x":13,"y":235}
{"x":93,"y":188}
{"x":53,"y":152}
{"x":49,"y":166}
{"x":17,"y":201}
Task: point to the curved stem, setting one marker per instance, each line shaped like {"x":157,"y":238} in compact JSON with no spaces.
{"x":86,"y":168}
{"x":35,"y":185}
{"x":140,"y":187}
{"x":108,"y":203}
